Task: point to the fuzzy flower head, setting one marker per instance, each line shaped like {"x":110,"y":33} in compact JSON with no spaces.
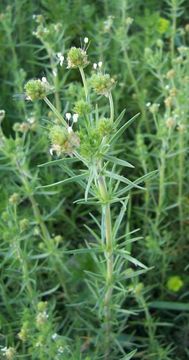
{"x":77,"y":58}
{"x":102,"y":84}
{"x":63,"y":140}
{"x":82,"y":108}
{"x":37,"y":89}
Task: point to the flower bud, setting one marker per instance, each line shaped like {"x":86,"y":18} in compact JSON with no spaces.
{"x":24,"y":224}
{"x":14,"y":199}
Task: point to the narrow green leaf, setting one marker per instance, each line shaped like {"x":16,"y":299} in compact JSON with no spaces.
{"x":118,"y":161}
{"x":120,"y":218}
{"x":119,"y":118}
{"x":131,"y":259}
{"x":75,"y":178}
{"x":169,"y":305}
{"x":122,"y":129}
{"x":129,"y":356}
{"x":59,"y":161}
{"x":122,"y":179}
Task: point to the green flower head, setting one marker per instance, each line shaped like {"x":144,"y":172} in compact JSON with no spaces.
{"x":77,"y":58}
{"x":82,"y":108}
{"x":37,"y":89}
{"x":102,"y":84}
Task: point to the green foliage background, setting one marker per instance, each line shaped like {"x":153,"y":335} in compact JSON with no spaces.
{"x":139,"y":56}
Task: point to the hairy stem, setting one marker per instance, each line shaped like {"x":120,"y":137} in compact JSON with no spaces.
{"x":84,"y":83}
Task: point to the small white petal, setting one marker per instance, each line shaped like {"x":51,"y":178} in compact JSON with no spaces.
{"x":54,"y":72}
{"x":68,"y":116}
{"x":148,"y":104}
{"x":51,"y":151}
{"x":54,"y":336}
{"x":100,"y":64}
{"x":75,"y":118}
{"x":44,"y":79}
{"x":86,"y":40}
{"x":95,"y":66}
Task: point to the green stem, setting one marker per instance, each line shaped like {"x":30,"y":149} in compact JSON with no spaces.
{"x":111,"y":107}
{"x":109,"y":264}
{"x":55,"y":111}
{"x":180,"y":179}
{"x":84,"y":83}
{"x":174,"y":25}
{"x":161,"y":184}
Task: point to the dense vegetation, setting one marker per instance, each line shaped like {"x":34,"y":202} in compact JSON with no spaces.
{"x":94,"y":179}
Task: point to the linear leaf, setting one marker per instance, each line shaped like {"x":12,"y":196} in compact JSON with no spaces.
{"x":122,"y":179}
{"x":75,"y":178}
{"x":122,"y":129}
{"x":118,"y":161}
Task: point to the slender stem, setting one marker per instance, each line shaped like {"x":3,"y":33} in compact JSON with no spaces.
{"x":109,"y":264}
{"x":111,"y":107}
{"x":161,"y":184}
{"x":84,"y":83}
{"x":174,"y":25}
{"x":55,"y":111}
{"x":180,"y":179}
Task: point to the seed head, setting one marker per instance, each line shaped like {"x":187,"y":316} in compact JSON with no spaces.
{"x":77,"y":57}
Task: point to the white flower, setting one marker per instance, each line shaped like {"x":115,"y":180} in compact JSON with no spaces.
{"x":68,"y":116}
{"x":86,"y":40}
{"x":61,"y":349}
{"x":54,"y":336}
{"x":148,"y":104}
{"x":95,"y":66}
{"x":75,"y":118}
{"x":60,"y":57}
{"x":44,"y":79}
{"x":4,"y":349}
{"x":100,"y":64}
